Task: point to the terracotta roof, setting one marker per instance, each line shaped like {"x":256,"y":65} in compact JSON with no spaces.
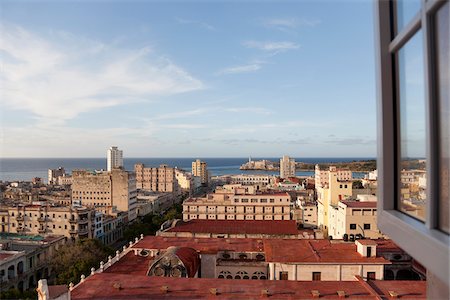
{"x":237,"y":227}
{"x":315,"y":251}
{"x":203,"y":245}
{"x":125,"y":286}
{"x":131,"y":264}
{"x":361,"y":204}
{"x":276,"y":250}
{"x":386,"y":245}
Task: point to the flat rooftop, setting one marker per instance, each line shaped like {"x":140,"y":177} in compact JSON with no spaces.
{"x":237,"y":227}
{"x":360,"y":204}
{"x":125,"y":286}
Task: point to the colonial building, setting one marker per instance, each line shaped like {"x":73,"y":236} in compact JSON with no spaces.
{"x":239,"y":207}
{"x":160,"y":179}
{"x":46,"y":220}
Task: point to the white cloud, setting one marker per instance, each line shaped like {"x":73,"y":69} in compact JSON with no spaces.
{"x":61,"y":76}
{"x":271,"y":46}
{"x":194,"y":22}
{"x":290,"y":24}
{"x":253,"y":67}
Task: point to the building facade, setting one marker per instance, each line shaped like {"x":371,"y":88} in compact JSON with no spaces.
{"x":53,"y":174}
{"x":287,"y":167}
{"x":160,"y":179}
{"x":200,"y":169}
{"x":114,"y":158}
{"x":46,"y":220}
{"x":239,"y":207}
{"x":115,"y":189}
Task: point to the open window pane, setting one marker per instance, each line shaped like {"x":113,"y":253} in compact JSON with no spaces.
{"x":412,"y":127}
{"x":406,"y":10}
{"x":443,"y":80}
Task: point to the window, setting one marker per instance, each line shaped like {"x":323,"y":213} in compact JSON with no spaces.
{"x":366,"y":226}
{"x":284,"y":275}
{"x":413,"y":101}
{"x":371,"y":276}
{"x":352,"y":226}
{"x":316,"y":276}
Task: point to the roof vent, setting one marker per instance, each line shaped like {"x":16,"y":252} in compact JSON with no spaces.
{"x":164,"y":289}
{"x":214,"y":291}
{"x":265,"y":293}
{"x":315,"y":293}
{"x":341,"y":294}
{"x":393,"y":294}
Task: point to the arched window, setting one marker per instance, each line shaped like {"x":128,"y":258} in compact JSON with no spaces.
{"x":225,"y":274}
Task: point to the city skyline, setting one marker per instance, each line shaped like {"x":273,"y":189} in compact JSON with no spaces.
{"x":188,"y":79}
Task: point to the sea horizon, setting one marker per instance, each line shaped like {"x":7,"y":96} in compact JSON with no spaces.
{"x":25,"y":169}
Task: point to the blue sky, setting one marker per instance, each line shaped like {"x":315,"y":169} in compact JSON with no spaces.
{"x":184,"y":79}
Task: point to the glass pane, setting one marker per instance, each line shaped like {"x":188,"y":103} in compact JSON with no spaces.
{"x":413,"y":177}
{"x":443,"y":75}
{"x":406,"y":10}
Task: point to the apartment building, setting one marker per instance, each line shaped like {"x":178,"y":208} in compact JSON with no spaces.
{"x":351,"y":218}
{"x":114,"y":158}
{"x":185,"y":181}
{"x":200,"y":169}
{"x":53,"y":174}
{"x":71,"y":222}
{"x":156,"y":179}
{"x":329,"y":195}
{"x":307,"y":213}
{"x":321,"y":177}
{"x":104,"y":190}
{"x":25,"y":259}
{"x":287,"y":167}
{"x":239,"y":207}
{"x":251,"y":179}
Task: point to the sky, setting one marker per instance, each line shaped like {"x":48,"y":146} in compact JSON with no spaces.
{"x":187,"y":79}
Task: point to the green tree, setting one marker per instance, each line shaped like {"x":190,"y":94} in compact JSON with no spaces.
{"x":74,"y":259}
{"x":357,"y":184}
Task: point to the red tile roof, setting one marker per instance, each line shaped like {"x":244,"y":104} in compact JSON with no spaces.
{"x":190,"y":259}
{"x":237,"y":227}
{"x":360,"y":204}
{"x":125,"y":286}
{"x":5,"y":255}
{"x":315,"y":251}
{"x":276,"y":250}
{"x":131,"y":264}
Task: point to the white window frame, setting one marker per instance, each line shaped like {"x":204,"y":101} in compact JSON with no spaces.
{"x":422,"y":240}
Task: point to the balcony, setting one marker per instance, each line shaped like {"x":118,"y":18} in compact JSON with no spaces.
{"x":42,"y":219}
{"x":20,"y":218}
{"x":42,"y":230}
{"x":83,"y":221}
{"x":73,"y":221}
{"x":73,"y":231}
{"x":83,"y":231}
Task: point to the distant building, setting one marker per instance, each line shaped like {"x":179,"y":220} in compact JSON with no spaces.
{"x":115,"y":189}
{"x":231,"y":206}
{"x":114,"y":159}
{"x":160,"y":179}
{"x":287,"y":167}
{"x":200,"y":169}
{"x":250,"y":179}
{"x":322,"y":176}
{"x":53,"y":174}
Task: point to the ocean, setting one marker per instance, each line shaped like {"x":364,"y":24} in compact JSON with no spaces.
{"x":24,"y":169}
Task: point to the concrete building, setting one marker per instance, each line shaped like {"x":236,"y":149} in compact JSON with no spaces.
{"x":251,"y":179}
{"x":114,"y":158}
{"x":161,"y":179}
{"x":329,"y":195}
{"x":200,"y":169}
{"x":308,"y":213}
{"x":238,"y":207}
{"x":287,"y":167}
{"x":352,"y":217}
{"x":185,"y":181}
{"x":154,"y":203}
{"x":115,"y":189}
{"x":322,"y":176}
{"x":46,"y":220}
{"x":25,"y":259}
{"x":53,"y":174}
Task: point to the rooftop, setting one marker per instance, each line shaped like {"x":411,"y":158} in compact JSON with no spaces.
{"x":361,"y":204}
{"x":237,"y":227}
{"x":125,"y":286}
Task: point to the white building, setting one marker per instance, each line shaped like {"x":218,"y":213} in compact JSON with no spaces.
{"x":53,"y":174}
{"x":287,"y":167}
{"x":115,"y":158}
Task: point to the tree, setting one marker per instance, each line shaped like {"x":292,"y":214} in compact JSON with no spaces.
{"x":357,"y":184}
{"x":74,"y":259}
